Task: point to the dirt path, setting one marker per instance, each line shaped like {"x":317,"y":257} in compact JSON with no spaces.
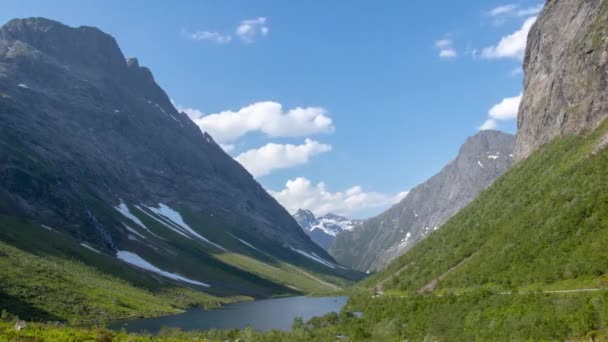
{"x":430,"y":287}
{"x":334,"y":287}
{"x":579,"y":290}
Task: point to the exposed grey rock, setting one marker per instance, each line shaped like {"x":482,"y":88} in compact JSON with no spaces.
{"x":566,"y":73}
{"x":378,"y":240}
{"x":324,"y":229}
{"x":305,"y":218}
{"x":20,"y":325}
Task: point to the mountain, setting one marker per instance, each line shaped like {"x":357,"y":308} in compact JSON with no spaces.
{"x":92,"y":149}
{"x":323,"y":230}
{"x":378,"y":240}
{"x":565,"y":66}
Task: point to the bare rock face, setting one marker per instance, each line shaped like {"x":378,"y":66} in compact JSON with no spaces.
{"x":566,"y":73}
{"x":20,"y":325}
{"x":378,"y":240}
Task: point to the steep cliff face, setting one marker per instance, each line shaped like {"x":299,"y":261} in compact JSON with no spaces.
{"x":378,"y":240}
{"x":92,"y":147}
{"x":566,"y":73}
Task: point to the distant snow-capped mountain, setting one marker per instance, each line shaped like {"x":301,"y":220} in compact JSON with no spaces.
{"x":324,"y":229}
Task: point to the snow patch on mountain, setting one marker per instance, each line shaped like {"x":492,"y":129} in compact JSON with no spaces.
{"x":333,"y":225}
{"x":324,"y":229}
{"x":89,"y":248}
{"x":246,"y":243}
{"x":139,"y":262}
{"x":175,"y":218}
{"x":134,"y":231}
{"x":330,"y":224}
{"x":313,"y":256}
{"x":166,"y":224}
{"x":124,"y":210}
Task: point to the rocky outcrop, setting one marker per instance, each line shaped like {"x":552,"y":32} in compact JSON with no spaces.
{"x":566,"y":73}
{"x":378,"y":240}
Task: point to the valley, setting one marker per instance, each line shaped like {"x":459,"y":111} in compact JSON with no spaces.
{"x":127,"y":217}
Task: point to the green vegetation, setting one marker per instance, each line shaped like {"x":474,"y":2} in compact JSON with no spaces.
{"x":475,"y":316}
{"x":55,"y":289}
{"x":283,"y":273}
{"x":599,"y":27}
{"x":544,"y":222}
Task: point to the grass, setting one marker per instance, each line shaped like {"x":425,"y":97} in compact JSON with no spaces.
{"x":282,"y":273}
{"x":54,"y":289}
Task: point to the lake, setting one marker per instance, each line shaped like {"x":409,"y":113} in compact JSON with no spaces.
{"x":268,"y":314}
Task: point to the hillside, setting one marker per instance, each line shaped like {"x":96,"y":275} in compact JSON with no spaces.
{"x":542,"y":224}
{"x":378,"y":240}
{"x":92,"y":150}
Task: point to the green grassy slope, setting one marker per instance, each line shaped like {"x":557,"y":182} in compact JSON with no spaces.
{"x":497,"y":270}
{"x":52,"y":280}
{"x":48,"y":275}
{"x":544,"y":222}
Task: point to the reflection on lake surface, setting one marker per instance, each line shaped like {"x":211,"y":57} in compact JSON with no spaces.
{"x":262,"y":315}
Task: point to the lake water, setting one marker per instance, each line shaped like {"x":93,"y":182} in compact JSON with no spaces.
{"x":262,"y":315}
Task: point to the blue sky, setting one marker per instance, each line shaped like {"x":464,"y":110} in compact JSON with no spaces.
{"x":387,"y":91}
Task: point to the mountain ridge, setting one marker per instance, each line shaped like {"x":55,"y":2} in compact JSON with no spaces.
{"x":481,"y":159}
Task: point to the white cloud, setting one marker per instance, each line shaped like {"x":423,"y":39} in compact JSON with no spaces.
{"x":488,"y":124}
{"x":446,"y":48}
{"x":227,"y":147}
{"x":511,"y":46}
{"x":501,"y":14}
{"x":302,"y":193}
{"x":211,"y":36}
{"x":502,"y":10}
{"x":260,"y":162}
{"x":533,"y":10}
{"x":505,"y":110}
{"x":192,"y":113}
{"x":267,"y":117}
{"x":516,"y":71}
{"x":248,"y":30}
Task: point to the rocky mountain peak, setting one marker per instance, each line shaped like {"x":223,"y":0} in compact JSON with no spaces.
{"x":378,"y":240}
{"x":83,"y":46}
{"x":324,"y":229}
{"x":331,"y":216}
{"x":484,"y":141}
